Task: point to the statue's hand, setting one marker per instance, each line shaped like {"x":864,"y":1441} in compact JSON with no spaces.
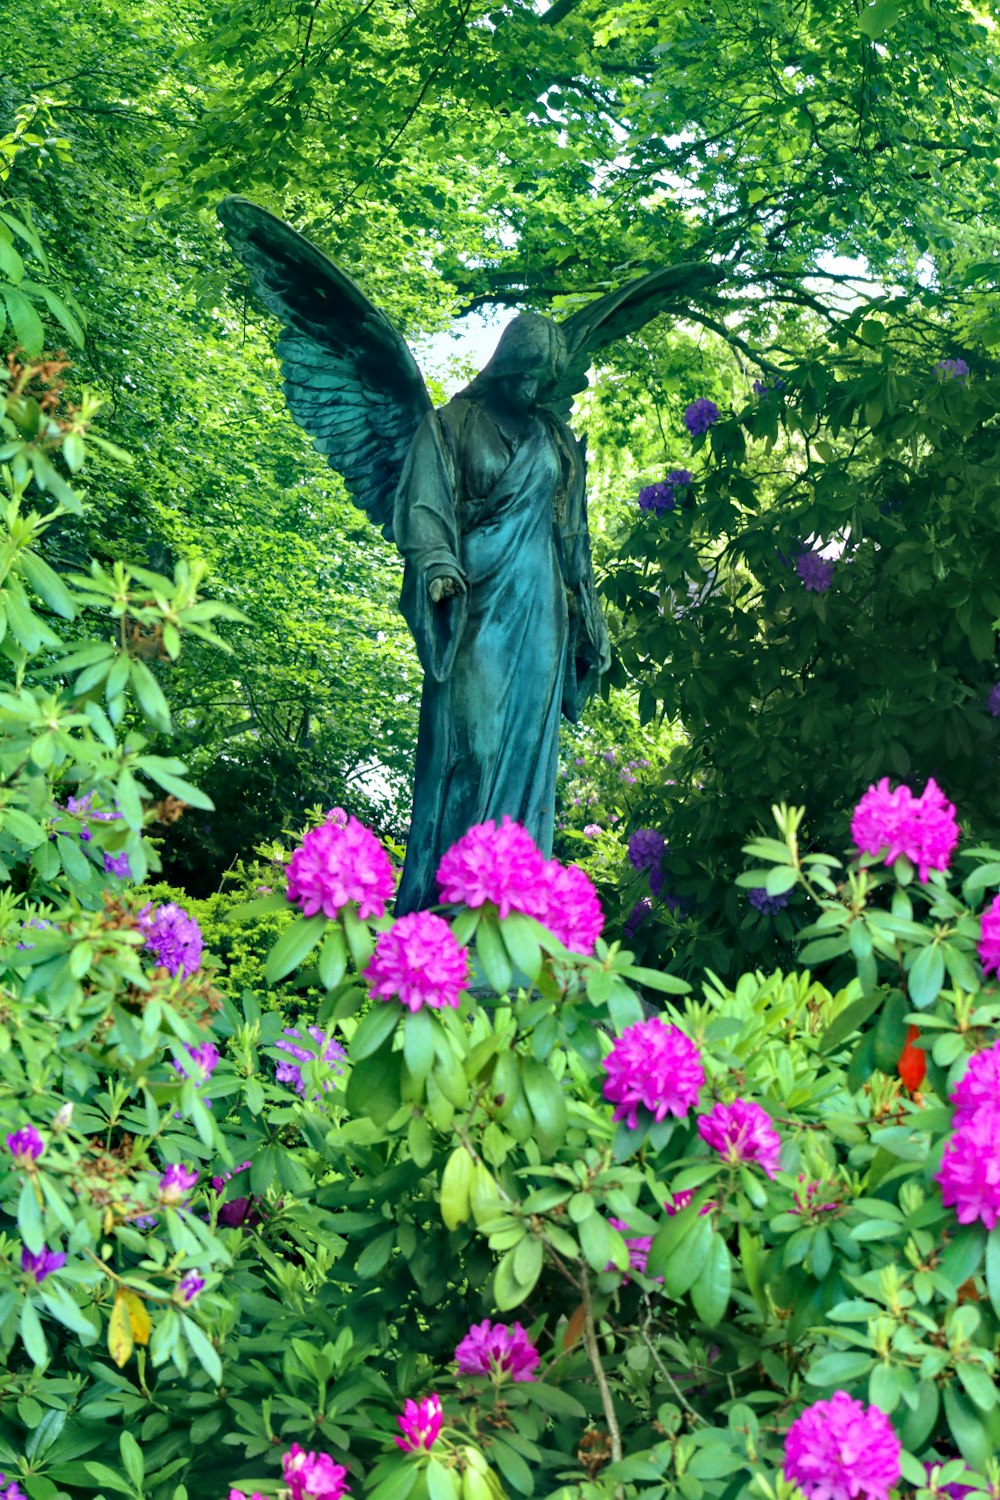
{"x":445,"y":588}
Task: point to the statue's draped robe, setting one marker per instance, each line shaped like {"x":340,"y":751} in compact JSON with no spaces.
{"x":524,"y":643}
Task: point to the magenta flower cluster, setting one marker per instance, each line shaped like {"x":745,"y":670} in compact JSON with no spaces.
{"x":496,"y":1350}
{"x":638,"y":1250}
{"x":663,"y":496}
{"x":10,"y":1489}
{"x":503,"y":866}
{"x":41,"y":1265}
{"x":25,"y":1146}
{"x":742,"y":1132}
{"x":969,"y":1174}
{"x":313,"y":1476}
{"x":655,"y":1066}
{"x":419,"y":962}
{"x":337,"y":865}
{"x":989,"y":938}
{"x":329,"y":1052}
{"x":700,"y":416}
{"x":173,"y":937}
{"x":420,"y":1424}
{"x":842,"y":1450}
{"x":889,"y":823}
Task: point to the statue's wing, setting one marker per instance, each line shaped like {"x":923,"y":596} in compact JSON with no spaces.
{"x":671,"y":289}
{"x":350,"y":379}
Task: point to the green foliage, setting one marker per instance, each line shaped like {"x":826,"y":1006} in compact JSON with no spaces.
{"x":892,"y":469}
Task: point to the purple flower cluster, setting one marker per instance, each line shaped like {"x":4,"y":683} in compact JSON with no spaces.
{"x":989,"y":938}
{"x":891,"y":823}
{"x":117,"y":864}
{"x":646,"y":848}
{"x":419,"y":962}
{"x":637,"y":916}
{"x":206,"y":1058}
{"x":337,"y":864}
{"x":952,"y":369}
{"x":83,"y":807}
{"x":175,"y":1184}
{"x":238,"y":1211}
{"x":742,"y":1132}
{"x":173,"y":937}
{"x":768,"y":905}
{"x":842,"y":1450}
{"x":313,"y":1476}
{"x":815,"y":571}
{"x":496,"y":1350}
{"x":969,"y":1174}
{"x":653,"y":1065}
{"x":189,"y":1287}
{"x":664,"y":495}
{"x":39,"y":1266}
{"x":25,"y":1146}
{"x":332,"y":1053}
{"x":760,"y":388}
{"x":700,"y":416}
{"x":420,"y":1424}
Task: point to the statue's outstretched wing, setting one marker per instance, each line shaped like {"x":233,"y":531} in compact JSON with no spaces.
{"x":350,"y":379}
{"x":611,"y":317}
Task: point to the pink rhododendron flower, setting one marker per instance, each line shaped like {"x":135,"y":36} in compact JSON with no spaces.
{"x":654,"y":1065}
{"x":336,"y":865}
{"x":979,"y":1086}
{"x":419,"y":962}
{"x":842,"y":1450}
{"x":494,"y":1349}
{"x":969,"y":1173}
{"x":420,"y":1424}
{"x":566,"y":903}
{"x":313,"y":1476}
{"x":239,"y":1495}
{"x":891,"y":823}
{"x":989,"y":940}
{"x":501,"y":865}
{"x":742,"y":1131}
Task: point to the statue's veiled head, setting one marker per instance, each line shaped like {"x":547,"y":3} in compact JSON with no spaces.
{"x":529,"y":346}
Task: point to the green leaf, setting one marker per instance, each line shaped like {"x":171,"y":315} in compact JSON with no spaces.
{"x":993,"y":1267}
{"x":838,"y":1369}
{"x":546,"y":1101}
{"x":418,"y":1044}
{"x":203,"y":1351}
{"x":507,"y":1290}
{"x":926,"y":976}
{"x":850,"y":1020}
{"x":653,"y":979}
{"x":131,"y":1455}
{"x":47,"y":585}
{"x":684,"y":1266}
{"x":160,"y":772}
{"x":32,"y":1336}
{"x":149,"y":696}
{"x":456,"y":1185}
{"x":295,"y":943}
{"x":24,"y":320}
{"x":332,"y":958}
{"x":711,"y":1289}
{"x":493,"y":957}
{"x":781,"y":879}
{"x":521,"y":942}
{"x":375,"y":1028}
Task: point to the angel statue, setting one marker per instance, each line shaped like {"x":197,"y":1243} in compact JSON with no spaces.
{"x":485,"y":499}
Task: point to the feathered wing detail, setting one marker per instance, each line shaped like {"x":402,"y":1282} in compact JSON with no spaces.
{"x":671,"y":289}
{"x":350,"y":379}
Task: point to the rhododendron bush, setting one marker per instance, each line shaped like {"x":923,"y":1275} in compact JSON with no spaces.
{"x":469,"y":1204}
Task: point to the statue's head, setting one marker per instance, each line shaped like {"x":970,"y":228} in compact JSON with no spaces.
{"x":531,"y":352}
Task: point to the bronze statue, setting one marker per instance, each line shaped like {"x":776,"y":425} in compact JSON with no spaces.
{"x":485,"y":500}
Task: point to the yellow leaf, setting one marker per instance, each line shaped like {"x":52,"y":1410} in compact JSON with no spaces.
{"x":138,"y":1316}
{"x":120,"y":1331}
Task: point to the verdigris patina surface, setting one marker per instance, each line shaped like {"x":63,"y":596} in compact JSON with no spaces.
{"x":485,"y":500}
